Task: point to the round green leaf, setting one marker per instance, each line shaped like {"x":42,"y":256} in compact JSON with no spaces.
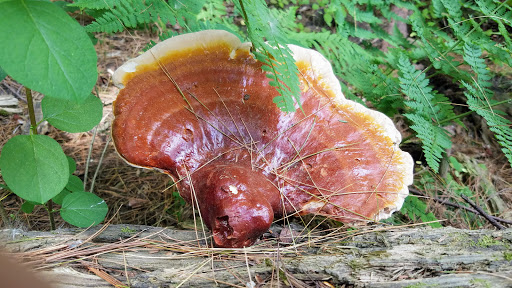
{"x":28,"y":207}
{"x":72,"y":165}
{"x":75,"y":184}
{"x":83,"y":209}
{"x":46,"y":50}
{"x":60,"y":197}
{"x":2,"y":74}
{"x":34,"y":167}
{"x":71,"y":116}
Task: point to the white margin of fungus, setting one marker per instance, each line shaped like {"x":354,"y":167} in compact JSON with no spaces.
{"x":323,"y":69}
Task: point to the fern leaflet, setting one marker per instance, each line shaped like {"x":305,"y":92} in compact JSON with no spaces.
{"x":276,"y":57}
{"x":435,"y":139}
{"x":414,"y":207}
{"x":122,"y":14}
{"x":480,"y":99}
{"x":95,"y":4}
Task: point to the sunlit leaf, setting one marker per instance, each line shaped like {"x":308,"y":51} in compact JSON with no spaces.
{"x":83,"y":209}
{"x":46,"y":50}
{"x":71,"y":116}
{"x":34,"y":167}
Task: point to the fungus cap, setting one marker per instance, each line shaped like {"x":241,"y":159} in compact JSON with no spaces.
{"x":199,"y":107}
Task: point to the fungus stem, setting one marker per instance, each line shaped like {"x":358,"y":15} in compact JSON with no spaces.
{"x":33,"y":131}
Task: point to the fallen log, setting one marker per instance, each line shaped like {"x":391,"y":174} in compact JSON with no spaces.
{"x":141,"y":256}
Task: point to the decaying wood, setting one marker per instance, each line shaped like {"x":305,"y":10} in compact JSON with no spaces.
{"x":140,"y":256}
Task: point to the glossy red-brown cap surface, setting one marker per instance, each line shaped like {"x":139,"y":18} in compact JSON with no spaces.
{"x":200,"y":101}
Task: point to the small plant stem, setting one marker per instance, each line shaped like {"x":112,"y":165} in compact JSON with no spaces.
{"x":99,"y":165}
{"x":33,"y":130}
{"x":49,"y":206}
{"x":482,"y":213}
{"x":88,"y":162}
{"x":31,"y":111}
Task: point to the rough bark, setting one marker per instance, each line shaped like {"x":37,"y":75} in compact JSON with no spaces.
{"x":139,"y":256}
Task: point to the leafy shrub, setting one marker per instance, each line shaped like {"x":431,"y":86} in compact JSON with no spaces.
{"x":48,"y":51}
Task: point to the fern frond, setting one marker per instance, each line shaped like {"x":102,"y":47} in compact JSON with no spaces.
{"x":435,"y":139}
{"x":214,"y":11}
{"x":415,"y":85}
{"x":415,"y":208}
{"x":438,"y":8}
{"x":454,"y":9}
{"x":274,"y":54}
{"x":131,"y":13}
{"x":360,"y":15}
{"x":127,"y":14}
{"x":501,"y":12}
{"x":480,"y":99}
{"x":95,"y":4}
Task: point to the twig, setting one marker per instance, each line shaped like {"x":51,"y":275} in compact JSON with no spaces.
{"x":88,"y":162}
{"x":99,"y":165}
{"x":482,"y":212}
{"x":458,"y":206}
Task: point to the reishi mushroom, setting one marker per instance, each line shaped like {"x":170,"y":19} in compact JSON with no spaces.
{"x":199,"y":108}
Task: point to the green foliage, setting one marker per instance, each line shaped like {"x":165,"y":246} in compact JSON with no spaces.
{"x":46,"y":50}
{"x":74,"y":184}
{"x":34,"y":167}
{"x":480,"y":100}
{"x":72,"y":165}
{"x":60,"y":197}
{"x":2,"y":74}
{"x":415,"y":208}
{"x":115,"y":16}
{"x":28,"y":207}
{"x":426,"y":112}
{"x":177,"y":207}
{"x":70,"y":116}
{"x":274,"y":53}
{"x":83,"y":209}
{"x":213,"y":16}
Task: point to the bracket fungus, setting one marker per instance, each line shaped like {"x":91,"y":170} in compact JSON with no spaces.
{"x":199,"y":107}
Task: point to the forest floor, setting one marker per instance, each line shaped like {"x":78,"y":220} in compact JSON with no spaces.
{"x":138,"y":196}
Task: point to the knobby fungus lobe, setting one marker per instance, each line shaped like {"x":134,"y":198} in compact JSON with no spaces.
{"x":199,"y":108}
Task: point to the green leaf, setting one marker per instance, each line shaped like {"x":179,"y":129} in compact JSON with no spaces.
{"x":28,"y":207}
{"x":75,"y":184}
{"x":2,"y":74}
{"x":83,"y":209}
{"x":455,"y":164}
{"x":46,"y":50}
{"x":71,"y":116}
{"x":414,"y":207}
{"x":60,"y":197}
{"x":34,"y":167}
{"x":72,"y":165}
